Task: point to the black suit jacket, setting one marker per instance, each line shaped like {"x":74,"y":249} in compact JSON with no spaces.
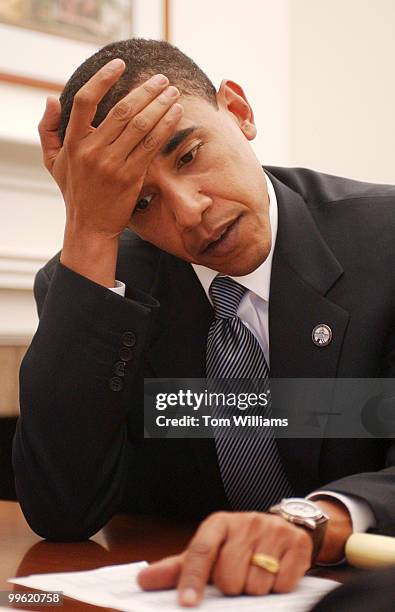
{"x":79,"y":454}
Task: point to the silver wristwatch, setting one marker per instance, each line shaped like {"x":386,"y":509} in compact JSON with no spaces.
{"x":306,"y":514}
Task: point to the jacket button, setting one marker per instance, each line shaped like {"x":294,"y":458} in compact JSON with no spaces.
{"x":125,"y":354}
{"x":116,"y":384}
{"x":129,"y":338}
{"x":119,"y":368}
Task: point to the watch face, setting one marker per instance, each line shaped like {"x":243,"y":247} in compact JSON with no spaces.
{"x":300,"y":508}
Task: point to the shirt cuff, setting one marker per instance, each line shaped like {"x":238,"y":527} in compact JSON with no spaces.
{"x":119,"y":288}
{"x":362,"y":517}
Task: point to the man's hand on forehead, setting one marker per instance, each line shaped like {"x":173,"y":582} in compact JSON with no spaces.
{"x":100,"y":171}
{"x":139,"y":111}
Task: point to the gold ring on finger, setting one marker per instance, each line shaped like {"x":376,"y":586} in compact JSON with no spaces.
{"x":266,"y":562}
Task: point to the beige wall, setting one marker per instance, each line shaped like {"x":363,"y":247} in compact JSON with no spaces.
{"x":319,"y":74}
{"x":342,"y":87}
{"x":248,"y":42}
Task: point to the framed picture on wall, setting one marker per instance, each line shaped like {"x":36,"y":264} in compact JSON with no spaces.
{"x":93,"y":21}
{"x":43,"y":41}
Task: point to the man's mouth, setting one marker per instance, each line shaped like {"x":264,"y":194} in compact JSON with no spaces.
{"x":217,"y":243}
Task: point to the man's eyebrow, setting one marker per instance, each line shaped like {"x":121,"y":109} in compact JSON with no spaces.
{"x":176,"y":140}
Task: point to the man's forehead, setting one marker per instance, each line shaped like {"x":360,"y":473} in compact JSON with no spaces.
{"x":197,"y":112}
{"x":177,"y":139}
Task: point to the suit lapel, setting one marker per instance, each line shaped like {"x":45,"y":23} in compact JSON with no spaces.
{"x":304,"y":270}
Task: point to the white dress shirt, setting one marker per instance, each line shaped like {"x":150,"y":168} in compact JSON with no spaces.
{"x":253,"y":310}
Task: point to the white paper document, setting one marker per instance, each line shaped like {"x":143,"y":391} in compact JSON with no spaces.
{"x":115,"y":586}
{"x":7,"y":609}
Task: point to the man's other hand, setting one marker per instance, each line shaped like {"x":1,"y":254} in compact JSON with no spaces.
{"x":220,"y":552}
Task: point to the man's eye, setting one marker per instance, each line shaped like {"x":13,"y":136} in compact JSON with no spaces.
{"x":143,"y":203}
{"x":188,"y":157}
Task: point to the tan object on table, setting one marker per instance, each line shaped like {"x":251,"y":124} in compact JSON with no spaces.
{"x":370,"y":551}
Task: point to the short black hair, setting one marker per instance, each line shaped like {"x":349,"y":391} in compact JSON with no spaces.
{"x":143,"y":59}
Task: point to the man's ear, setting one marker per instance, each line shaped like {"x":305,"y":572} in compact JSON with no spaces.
{"x":232,"y":98}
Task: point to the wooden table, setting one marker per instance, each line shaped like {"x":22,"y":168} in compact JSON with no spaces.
{"x":126,"y":538}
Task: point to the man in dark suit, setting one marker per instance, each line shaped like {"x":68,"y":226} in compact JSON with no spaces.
{"x":118,"y":305}
{"x":364,"y":593}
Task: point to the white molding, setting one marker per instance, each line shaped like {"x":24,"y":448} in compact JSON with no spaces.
{"x":30,"y":140}
{"x":18,"y":269}
{"x":19,"y":183}
{"x":15,"y":339}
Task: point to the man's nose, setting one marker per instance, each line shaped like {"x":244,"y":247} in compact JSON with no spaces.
{"x":188,"y":207}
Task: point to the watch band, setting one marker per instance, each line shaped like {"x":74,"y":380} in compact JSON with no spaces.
{"x":317,"y":534}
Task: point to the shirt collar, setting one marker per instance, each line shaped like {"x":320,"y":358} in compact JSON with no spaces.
{"x":257,"y":281}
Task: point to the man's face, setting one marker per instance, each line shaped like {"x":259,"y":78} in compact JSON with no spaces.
{"x":206,"y":199}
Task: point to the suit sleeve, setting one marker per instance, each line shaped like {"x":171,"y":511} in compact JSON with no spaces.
{"x":362,"y":592}
{"x":71,"y":439}
{"x":375,"y":488}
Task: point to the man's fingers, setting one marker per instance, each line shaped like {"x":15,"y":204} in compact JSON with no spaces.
{"x":224,"y":553}
{"x":141,"y":126}
{"x":51,"y":118}
{"x":48,"y":131}
{"x":232,"y":566}
{"x":294,"y":564}
{"x":199,"y":559}
{"x":273,"y":542}
{"x":88,"y":97}
{"x":163,"y":574}
{"x":127,"y":108}
{"x":260,"y":581}
{"x":150,"y":146}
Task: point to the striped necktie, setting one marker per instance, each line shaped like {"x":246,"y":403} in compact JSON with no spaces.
{"x":251,"y":469}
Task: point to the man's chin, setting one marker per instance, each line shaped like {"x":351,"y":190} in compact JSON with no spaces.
{"x":238,"y":266}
